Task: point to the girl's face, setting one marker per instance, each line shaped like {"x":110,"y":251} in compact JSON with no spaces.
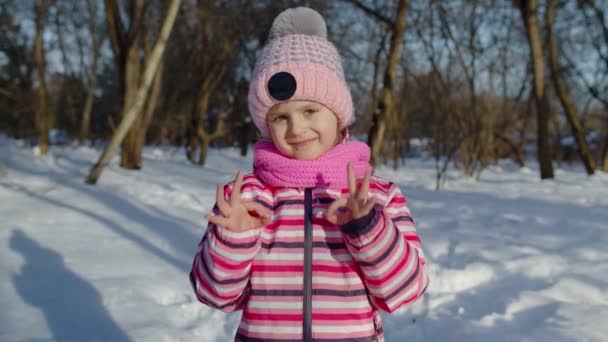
{"x":303,"y":129}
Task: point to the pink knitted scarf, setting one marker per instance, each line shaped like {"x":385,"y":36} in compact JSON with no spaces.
{"x":329,"y":170}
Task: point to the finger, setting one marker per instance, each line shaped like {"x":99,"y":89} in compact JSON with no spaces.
{"x":330,"y":214}
{"x":352,"y":181}
{"x":221,"y":202}
{"x":218,"y":220}
{"x":257,"y":208}
{"x":335,"y":205}
{"x":235,"y":196}
{"x":362,"y":194}
{"x":369,"y":206}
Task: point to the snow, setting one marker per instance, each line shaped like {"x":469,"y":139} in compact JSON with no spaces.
{"x":512,"y":258}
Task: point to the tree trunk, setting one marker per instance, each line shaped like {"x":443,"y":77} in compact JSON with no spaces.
{"x":529,"y":9}
{"x":386,"y":103}
{"x":129,"y":159}
{"x":202,"y":157}
{"x":127,"y":47}
{"x":88,"y":104}
{"x":191,"y":139}
{"x":246,"y":137}
{"x":85,"y":124}
{"x":42,"y":114}
{"x":200,"y":115}
{"x":133,"y":112}
{"x":207,"y":87}
{"x":148,"y":113}
{"x":564,"y":97}
{"x":205,"y":138}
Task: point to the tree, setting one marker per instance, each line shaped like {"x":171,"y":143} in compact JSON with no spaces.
{"x":529,"y":14}
{"x":42,"y":114}
{"x":96,"y":40}
{"x":131,"y":113}
{"x":596,"y":24}
{"x":17,"y":74}
{"x":215,"y":63}
{"x":386,"y":102}
{"x":564,"y":95}
{"x":131,"y":54}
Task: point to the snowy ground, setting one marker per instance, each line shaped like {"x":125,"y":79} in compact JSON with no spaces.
{"x":512,"y":258}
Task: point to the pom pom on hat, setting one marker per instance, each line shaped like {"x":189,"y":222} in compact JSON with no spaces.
{"x":299,"y":63}
{"x":299,"y":20}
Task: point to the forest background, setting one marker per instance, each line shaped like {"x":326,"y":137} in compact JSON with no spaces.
{"x":467,"y":82}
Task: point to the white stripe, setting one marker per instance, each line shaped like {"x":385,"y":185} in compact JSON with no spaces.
{"x":298,"y":212}
{"x":380,"y":198}
{"x":266,"y":304}
{"x":336,"y":281}
{"x":319,"y":212}
{"x":341,"y":327}
{"x":297,"y":256}
{"x":279,"y":234}
{"x":289,"y":193}
{"x":317,"y":304}
{"x":255,"y":194}
{"x":406,"y":228}
{"x":262,"y":280}
{"x":331,"y":192}
{"x":276,"y":329}
{"x":397,"y":211}
{"x":393,"y":193}
{"x":281,"y":256}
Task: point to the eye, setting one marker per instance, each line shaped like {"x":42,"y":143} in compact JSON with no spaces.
{"x":278,"y":118}
{"x":310,"y":111}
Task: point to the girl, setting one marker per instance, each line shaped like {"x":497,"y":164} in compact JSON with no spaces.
{"x":310,"y":246}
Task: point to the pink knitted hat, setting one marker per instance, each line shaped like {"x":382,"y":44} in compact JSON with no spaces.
{"x":299,"y":63}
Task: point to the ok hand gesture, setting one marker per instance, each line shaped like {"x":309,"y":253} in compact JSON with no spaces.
{"x":236,"y":215}
{"x":357,"y":203}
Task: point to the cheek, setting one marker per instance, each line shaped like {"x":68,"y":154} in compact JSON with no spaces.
{"x":275,"y":130}
{"x":277,"y":135}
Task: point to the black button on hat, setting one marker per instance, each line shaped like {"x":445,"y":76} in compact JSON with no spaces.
{"x":282,"y":86}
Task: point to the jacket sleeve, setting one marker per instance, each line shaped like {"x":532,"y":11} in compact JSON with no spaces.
{"x":387,"y":248}
{"x":221,"y":266}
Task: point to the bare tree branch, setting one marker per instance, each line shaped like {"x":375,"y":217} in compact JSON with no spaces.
{"x":372,"y":12}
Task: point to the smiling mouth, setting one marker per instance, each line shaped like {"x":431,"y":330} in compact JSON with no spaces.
{"x":301,"y":143}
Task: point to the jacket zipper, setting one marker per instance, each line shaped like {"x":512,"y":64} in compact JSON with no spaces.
{"x":307,"y":265}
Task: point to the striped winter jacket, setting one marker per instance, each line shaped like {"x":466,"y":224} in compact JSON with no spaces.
{"x":301,"y":278}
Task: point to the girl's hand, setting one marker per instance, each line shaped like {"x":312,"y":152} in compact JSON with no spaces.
{"x":238,"y":216}
{"x":356,"y":204}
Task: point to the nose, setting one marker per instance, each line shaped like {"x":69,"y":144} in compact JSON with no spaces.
{"x":296,"y":126}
